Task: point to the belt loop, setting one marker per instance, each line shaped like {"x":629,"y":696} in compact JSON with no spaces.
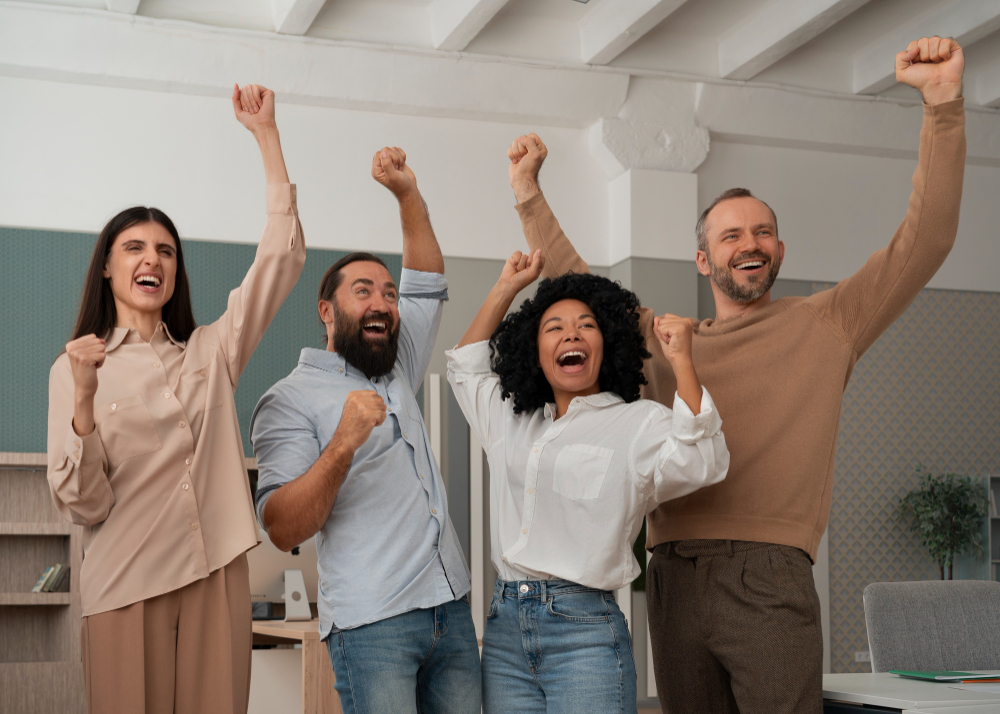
{"x":544,"y":598}
{"x":501,"y":585}
{"x":729,"y":545}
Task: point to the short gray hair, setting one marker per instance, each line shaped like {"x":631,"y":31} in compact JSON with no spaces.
{"x":699,"y":227}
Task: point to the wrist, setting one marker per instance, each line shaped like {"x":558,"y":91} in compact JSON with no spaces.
{"x":409,"y":197}
{"x":941,"y":93}
{"x":262,"y":132}
{"x":525,"y":188}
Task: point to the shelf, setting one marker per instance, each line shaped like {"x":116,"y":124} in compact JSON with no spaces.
{"x":38,"y":529}
{"x":35,"y":598}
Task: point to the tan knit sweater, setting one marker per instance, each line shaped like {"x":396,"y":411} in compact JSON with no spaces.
{"x":778,"y":374}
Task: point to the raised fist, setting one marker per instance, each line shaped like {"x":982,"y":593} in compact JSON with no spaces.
{"x":363,"y":411}
{"x":390,"y":169}
{"x":253,"y":106}
{"x":527,"y":154}
{"x":86,"y":355}
{"x":934,"y":66}
{"x":520,"y":271}
{"x":675,"y":335}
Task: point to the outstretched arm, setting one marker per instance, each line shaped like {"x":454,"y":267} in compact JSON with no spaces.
{"x":254,"y":108}
{"x":541,"y":229}
{"x":420,"y":247}
{"x":519,"y":271}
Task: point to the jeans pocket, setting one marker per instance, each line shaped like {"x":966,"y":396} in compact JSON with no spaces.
{"x":584,"y":606}
{"x":492,"y":612}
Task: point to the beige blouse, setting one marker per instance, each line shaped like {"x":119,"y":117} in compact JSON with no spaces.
{"x":161,"y":483}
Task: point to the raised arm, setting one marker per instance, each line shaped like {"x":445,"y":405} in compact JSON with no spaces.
{"x":541,"y":229}
{"x":254,"y":109}
{"x":674,"y":334}
{"x":866,"y":303}
{"x":420,"y":247}
{"x":519,"y":271}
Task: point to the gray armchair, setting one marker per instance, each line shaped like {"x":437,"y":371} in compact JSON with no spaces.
{"x":934,"y":625}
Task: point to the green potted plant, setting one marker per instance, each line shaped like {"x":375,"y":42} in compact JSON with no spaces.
{"x":946,"y":512}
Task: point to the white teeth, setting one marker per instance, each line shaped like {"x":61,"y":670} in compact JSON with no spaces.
{"x":379,"y":325}
{"x":150,"y":280}
{"x":575,"y":353}
{"x":751,"y":264}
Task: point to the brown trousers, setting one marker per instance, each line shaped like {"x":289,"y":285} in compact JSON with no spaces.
{"x":735,"y":628}
{"x":186,"y":651}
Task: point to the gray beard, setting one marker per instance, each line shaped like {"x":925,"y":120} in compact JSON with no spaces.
{"x":754,"y":291}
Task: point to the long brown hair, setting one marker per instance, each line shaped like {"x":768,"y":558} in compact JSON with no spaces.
{"x":97,"y":314}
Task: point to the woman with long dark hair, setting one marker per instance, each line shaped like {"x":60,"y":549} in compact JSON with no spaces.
{"x":144,"y":450}
{"x":576,"y":461}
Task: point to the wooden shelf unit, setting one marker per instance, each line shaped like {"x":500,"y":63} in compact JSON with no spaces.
{"x":40,"y":663}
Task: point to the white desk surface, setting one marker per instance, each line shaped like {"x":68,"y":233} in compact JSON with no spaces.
{"x":971,"y":709}
{"x":888,"y":690}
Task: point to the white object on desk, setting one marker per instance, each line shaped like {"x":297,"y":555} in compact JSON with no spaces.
{"x":296,"y":600}
{"x":888,"y":690}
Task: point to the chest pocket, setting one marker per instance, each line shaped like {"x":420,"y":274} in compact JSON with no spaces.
{"x":197,"y":385}
{"x":580,"y":471}
{"x":126,"y":429}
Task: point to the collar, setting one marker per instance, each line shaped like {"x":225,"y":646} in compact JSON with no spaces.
{"x":591,"y":402}
{"x":119,"y":334}
{"x":323,"y":359}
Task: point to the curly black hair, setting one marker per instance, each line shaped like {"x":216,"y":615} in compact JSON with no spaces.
{"x":514,"y":345}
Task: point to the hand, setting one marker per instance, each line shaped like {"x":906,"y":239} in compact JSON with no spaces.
{"x":254,"y":107}
{"x":390,"y":169}
{"x":527,"y":154}
{"x":675,"y":335}
{"x":520,"y":271}
{"x":934,"y":66}
{"x":363,"y":411}
{"x":86,"y":355}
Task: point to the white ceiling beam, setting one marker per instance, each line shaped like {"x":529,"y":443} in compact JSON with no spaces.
{"x":966,"y":20}
{"x":987,"y":87}
{"x":55,"y":43}
{"x":127,"y":7}
{"x":776,"y":31}
{"x":613,"y":25}
{"x":295,"y":17}
{"x":455,"y":23}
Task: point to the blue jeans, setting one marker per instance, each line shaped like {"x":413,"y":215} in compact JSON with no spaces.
{"x":424,"y":661}
{"x":555,"y":647}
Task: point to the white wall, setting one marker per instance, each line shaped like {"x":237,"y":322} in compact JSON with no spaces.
{"x":73,"y":155}
{"x":834,"y":210}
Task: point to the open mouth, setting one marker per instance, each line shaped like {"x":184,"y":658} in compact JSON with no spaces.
{"x":572,"y":361}
{"x":148,"y":282}
{"x":375,"y":327}
{"x":748,"y":266}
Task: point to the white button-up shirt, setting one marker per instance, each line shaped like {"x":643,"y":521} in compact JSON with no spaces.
{"x":567,"y":496}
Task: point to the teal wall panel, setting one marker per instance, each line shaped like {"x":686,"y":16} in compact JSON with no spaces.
{"x":41,"y":275}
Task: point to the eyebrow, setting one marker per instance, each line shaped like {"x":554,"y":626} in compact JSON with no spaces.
{"x":137,"y":241}
{"x":556,"y":317}
{"x":367,"y":281}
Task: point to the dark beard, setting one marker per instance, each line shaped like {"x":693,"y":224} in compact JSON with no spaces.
{"x":373,"y":358}
{"x":758,"y":286}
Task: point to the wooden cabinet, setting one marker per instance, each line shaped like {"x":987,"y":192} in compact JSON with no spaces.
{"x":41,"y":669}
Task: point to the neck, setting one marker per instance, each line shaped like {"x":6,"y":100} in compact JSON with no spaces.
{"x":728,"y":309}
{"x":142,"y":322}
{"x":563,"y":399}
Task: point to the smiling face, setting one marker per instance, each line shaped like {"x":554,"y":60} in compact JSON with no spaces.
{"x":142,"y":269}
{"x":362,"y":320}
{"x":744,"y":253}
{"x":570,"y":351}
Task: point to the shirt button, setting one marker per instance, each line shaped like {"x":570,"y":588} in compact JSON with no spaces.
{"x":181,"y":424}
{"x":434,"y":511}
{"x":421,"y":475}
{"x":525,"y":531}
{"x":194,"y":526}
{"x":187,"y":461}
{"x":404,"y":436}
{"x":76,"y":443}
{"x":156,"y":365}
{"x":185,"y":487}
{"x":388,"y":410}
{"x":505,"y":559}
{"x":114,"y":405}
{"x":202,"y":372}
{"x":340,"y":369}
{"x":536,"y":449}
{"x":531,"y":490}
{"x":166,"y":395}
{"x":523,"y":588}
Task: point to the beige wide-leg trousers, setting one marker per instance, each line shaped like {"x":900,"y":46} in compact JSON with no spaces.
{"x":183,"y":652}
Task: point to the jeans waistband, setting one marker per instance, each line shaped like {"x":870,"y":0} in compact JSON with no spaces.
{"x":694,"y":548}
{"x":524,"y":589}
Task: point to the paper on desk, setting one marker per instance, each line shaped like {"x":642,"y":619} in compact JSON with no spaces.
{"x":993,"y":688}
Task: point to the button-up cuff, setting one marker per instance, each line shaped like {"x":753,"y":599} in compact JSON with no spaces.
{"x":689,"y":428}
{"x":420,"y":284}
{"x":83,"y":449}
{"x":470,"y":359}
{"x":281,"y":199}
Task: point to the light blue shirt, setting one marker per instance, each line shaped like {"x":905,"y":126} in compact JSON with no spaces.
{"x":388,"y":546}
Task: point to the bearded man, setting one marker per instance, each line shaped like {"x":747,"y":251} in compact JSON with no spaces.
{"x":343,"y":454}
{"x":733,"y":612}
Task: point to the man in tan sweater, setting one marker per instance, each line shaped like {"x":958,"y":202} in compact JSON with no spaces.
{"x":733,"y":611}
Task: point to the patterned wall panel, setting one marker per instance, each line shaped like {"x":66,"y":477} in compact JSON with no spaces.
{"x":927,"y":392}
{"x":41,"y":275}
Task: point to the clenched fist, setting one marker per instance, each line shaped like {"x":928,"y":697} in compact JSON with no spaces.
{"x":253,"y":106}
{"x":363,"y":411}
{"x":934,"y":66}
{"x":86,"y":355}
{"x":527,"y":154}
{"x":390,"y":169}
{"x":675,"y":335}
{"x":520,"y":271}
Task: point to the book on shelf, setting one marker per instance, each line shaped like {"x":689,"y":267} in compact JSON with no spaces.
{"x":47,"y":585}
{"x":60,"y":581}
{"x":42,"y":579}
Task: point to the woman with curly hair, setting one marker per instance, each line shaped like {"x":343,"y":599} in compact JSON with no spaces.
{"x":576,"y":461}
